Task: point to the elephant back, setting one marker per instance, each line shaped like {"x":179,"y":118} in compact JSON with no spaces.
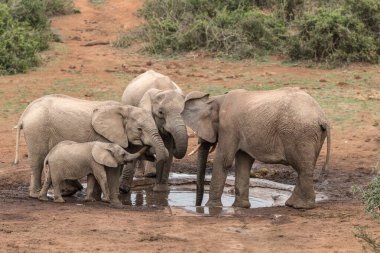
{"x":136,"y":89}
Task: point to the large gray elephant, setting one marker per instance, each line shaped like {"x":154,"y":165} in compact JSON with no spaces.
{"x":164,"y":99}
{"x":73,"y":160}
{"x":284,"y":126}
{"x":55,"y":118}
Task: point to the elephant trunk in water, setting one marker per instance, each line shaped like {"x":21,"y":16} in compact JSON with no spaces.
{"x":179,"y":133}
{"x":202,"y":161}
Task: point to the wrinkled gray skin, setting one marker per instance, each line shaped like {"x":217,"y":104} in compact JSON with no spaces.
{"x":164,"y":99}
{"x":284,"y":126}
{"x":72,"y":160}
{"x":55,"y":118}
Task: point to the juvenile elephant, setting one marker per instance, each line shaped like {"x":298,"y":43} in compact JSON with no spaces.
{"x":284,"y":126}
{"x":55,"y":118}
{"x":72,"y":160}
{"x":164,"y":99}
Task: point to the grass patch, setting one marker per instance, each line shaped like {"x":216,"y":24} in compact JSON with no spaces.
{"x":97,"y":2}
{"x":370,"y":195}
{"x":359,"y":232}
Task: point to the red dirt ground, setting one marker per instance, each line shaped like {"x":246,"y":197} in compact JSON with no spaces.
{"x":27,"y":225}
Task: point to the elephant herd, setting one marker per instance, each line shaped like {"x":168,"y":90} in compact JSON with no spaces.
{"x":105,"y":140}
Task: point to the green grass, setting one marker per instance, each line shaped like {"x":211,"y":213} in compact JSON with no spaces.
{"x":96,"y":2}
{"x":359,"y":232}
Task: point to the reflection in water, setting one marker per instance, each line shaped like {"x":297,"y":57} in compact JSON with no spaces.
{"x":186,"y":200}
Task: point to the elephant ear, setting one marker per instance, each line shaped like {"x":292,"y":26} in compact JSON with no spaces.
{"x":200,"y":115}
{"x":147,"y":100}
{"x":102,"y":154}
{"x":108,"y":121}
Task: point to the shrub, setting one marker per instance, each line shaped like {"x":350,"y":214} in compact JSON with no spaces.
{"x":24,"y":31}
{"x":231,"y":28}
{"x":333,"y":36}
{"x":368,"y":11}
{"x":370,"y":196}
{"x":18,"y":44}
{"x":59,"y":7}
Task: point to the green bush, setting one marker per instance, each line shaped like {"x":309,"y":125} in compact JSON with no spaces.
{"x":333,"y":36}
{"x":25,"y":31}
{"x":370,"y":196}
{"x":18,"y":44}
{"x":231,"y":28}
{"x":368,"y":11}
{"x":59,"y":7}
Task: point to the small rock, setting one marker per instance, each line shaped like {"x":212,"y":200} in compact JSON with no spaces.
{"x":323,"y":80}
{"x":375,"y":124}
{"x":72,"y":67}
{"x":367,"y":140}
{"x":342,"y":84}
{"x":149,"y":63}
{"x":76,"y":37}
{"x":357,"y":77}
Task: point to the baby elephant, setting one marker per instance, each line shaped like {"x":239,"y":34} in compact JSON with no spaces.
{"x":72,"y":160}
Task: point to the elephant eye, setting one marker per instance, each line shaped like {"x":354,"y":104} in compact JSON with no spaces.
{"x":139,"y":129}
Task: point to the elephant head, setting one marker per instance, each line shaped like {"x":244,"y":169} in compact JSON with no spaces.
{"x":124,"y":124}
{"x":166,"y":107}
{"x":113,"y":155}
{"x":201,"y":113}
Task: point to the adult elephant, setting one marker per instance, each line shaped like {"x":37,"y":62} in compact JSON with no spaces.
{"x":158,"y":94}
{"x":284,"y":126}
{"x":55,"y":118}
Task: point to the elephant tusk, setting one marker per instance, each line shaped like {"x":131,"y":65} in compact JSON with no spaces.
{"x":195,"y":150}
{"x":212,"y":148}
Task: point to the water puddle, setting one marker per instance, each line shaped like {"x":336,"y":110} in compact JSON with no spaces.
{"x":181,"y":198}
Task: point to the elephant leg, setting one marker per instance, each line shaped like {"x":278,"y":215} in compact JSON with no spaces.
{"x":222,"y":162}
{"x":149,"y":169}
{"x":36,"y":164}
{"x":243,"y":164}
{"x":100,"y":175}
{"x":90,"y":188}
{"x":94,"y":192}
{"x":57,"y":190}
{"x":113,"y":175}
{"x":126,"y":178}
{"x":303,"y":195}
{"x":162,"y":177}
{"x":45,"y":188}
{"x":162,"y":182}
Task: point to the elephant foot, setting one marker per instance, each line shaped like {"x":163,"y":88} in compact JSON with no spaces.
{"x":124,"y":188}
{"x":214,"y":203}
{"x":161,"y":188}
{"x":43,"y":198}
{"x":115,"y":203}
{"x":59,"y":200}
{"x":89,"y":199}
{"x":299,"y":203}
{"x":241,"y":203}
{"x":34,"y":194}
{"x":107,"y":200}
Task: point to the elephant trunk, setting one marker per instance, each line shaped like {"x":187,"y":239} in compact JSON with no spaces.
{"x":202,"y":161}
{"x":158,"y":145}
{"x":179,"y":133}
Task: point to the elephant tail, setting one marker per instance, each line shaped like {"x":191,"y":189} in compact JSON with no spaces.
{"x":326,"y":127}
{"x":18,"y":128}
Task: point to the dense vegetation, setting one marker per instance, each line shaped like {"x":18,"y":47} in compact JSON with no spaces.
{"x":25,"y":31}
{"x":332,"y":32}
{"x":370,"y":196}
